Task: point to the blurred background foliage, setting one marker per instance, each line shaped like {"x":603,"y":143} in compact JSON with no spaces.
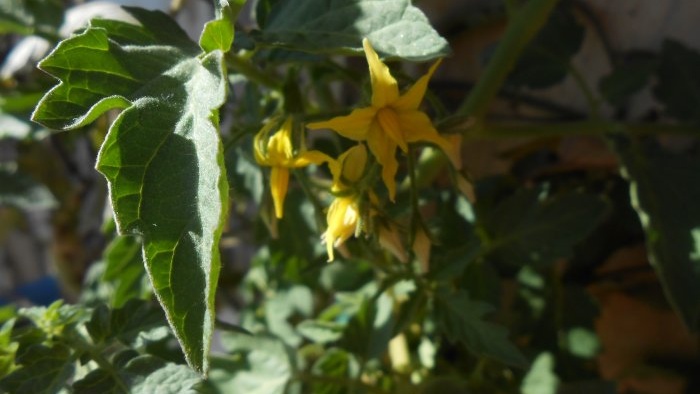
{"x":570,"y":264}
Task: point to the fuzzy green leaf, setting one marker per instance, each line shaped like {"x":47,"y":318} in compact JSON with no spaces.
{"x":462,"y":319}
{"x":395,"y":28}
{"x":665,"y":194}
{"x":162,"y":156}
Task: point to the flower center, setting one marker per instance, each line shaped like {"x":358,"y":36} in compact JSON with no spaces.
{"x":389,"y":122}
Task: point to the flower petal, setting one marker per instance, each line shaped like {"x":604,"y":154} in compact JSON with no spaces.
{"x":414,"y":95}
{"x":310,"y":157}
{"x":354,"y":126}
{"x":384,"y":149}
{"x":279,"y":182}
{"x":385,"y":90}
{"x":352,"y":164}
{"x":418,"y":128}
{"x":279,"y":147}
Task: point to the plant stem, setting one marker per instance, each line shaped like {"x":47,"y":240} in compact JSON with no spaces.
{"x":527,"y":21}
{"x":244,"y":66}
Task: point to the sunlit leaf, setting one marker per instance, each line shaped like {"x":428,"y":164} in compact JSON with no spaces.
{"x":162,"y":156}
{"x":541,"y":379}
{"x":395,"y":28}
{"x":258,"y":365}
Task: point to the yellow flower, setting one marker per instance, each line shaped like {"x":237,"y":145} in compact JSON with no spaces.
{"x":344,"y":214}
{"x":277,"y":152}
{"x":391,"y":121}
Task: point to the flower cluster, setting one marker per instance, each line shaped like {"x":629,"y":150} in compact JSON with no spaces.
{"x":391,"y":121}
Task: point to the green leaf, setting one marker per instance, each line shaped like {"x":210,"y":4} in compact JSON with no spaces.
{"x":286,"y":304}
{"x":541,"y":378}
{"x":21,"y":191}
{"x":319,"y":331}
{"x":461,"y":319}
{"x":40,"y":17}
{"x":43,"y":369}
{"x":136,"y":318}
{"x":162,"y":156}
{"x":628,"y":78}
{"x":258,"y":365}
{"x":665,"y":194}
{"x":394,"y":27}
{"x":124,"y":268}
{"x":370,"y":329}
{"x":528,"y":229}
{"x":8,"y":348}
{"x":545,"y":62}
{"x":143,"y":375}
{"x":338,"y":364}
{"x":678,"y":86}
{"x":218,"y":34}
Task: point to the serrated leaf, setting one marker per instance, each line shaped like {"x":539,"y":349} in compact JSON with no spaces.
{"x":395,"y":28}
{"x":19,"y":190}
{"x":162,"y":155}
{"x":43,"y":369}
{"x":144,"y":375}
{"x":545,"y":61}
{"x":527,"y":229}
{"x":665,"y":194}
{"x":40,"y":17}
{"x":678,"y":86}
{"x":462,"y":319}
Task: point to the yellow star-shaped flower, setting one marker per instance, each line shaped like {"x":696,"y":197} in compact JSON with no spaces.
{"x":277,"y":152}
{"x":391,"y":121}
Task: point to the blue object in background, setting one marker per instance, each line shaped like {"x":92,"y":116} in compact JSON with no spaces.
{"x":43,"y":291}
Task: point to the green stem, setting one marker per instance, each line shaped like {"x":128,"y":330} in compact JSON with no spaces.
{"x":306,"y":188}
{"x":526,"y":23}
{"x":591,"y":99}
{"x":244,"y":66}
